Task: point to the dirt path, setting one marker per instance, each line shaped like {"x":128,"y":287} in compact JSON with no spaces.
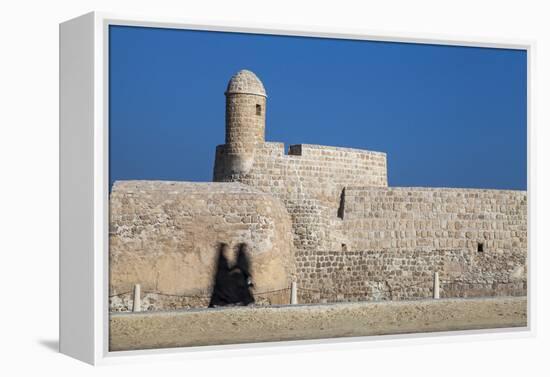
{"x":131,"y":331}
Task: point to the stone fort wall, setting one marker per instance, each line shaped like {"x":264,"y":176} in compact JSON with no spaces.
{"x":390,"y":242}
{"x":306,"y":163}
{"x":435,"y":218}
{"x":369,"y":242}
{"x":322,"y":216}
{"x":394,"y":239}
{"x":164,"y":236}
{"x":309,"y":180}
{"x":372,"y":275}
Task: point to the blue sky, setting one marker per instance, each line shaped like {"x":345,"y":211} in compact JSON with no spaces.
{"x":446,"y":116}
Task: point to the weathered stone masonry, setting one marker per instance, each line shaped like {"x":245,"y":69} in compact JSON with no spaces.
{"x":309,"y":181}
{"x":164,"y":236}
{"x":415,"y":218}
{"x":326,"y":219}
{"x":396,"y":238}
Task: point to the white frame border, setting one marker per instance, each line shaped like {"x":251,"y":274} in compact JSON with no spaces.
{"x":99,"y":269}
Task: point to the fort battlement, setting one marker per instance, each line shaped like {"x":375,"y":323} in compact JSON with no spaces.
{"x":322,"y":151}
{"x":337,"y":166}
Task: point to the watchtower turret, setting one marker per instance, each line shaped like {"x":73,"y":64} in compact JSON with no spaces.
{"x":245,"y":105}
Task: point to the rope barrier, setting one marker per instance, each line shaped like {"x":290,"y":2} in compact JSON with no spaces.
{"x":193,"y":296}
{"x":120,"y":294}
{"x":320,"y":291}
{"x":174,"y":295}
{"x":277,"y":290}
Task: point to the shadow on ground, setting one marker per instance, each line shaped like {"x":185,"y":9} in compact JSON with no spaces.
{"x":52,"y":345}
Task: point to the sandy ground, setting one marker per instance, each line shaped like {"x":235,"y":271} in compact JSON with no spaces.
{"x":146,"y":330}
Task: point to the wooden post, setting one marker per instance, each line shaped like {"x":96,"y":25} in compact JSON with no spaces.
{"x":137,"y":298}
{"x":293,"y":293}
{"x":436,"y":285}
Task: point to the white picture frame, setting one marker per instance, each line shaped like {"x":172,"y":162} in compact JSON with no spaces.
{"x":84,"y":188}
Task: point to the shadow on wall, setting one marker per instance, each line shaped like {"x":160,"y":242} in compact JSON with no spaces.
{"x":232,"y":284}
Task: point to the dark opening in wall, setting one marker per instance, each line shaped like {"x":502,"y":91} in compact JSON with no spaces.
{"x":480,"y":247}
{"x":342,"y":204}
{"x":258,"y":109}
{"x":344,"y":247}
{"x":295,"y":150}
